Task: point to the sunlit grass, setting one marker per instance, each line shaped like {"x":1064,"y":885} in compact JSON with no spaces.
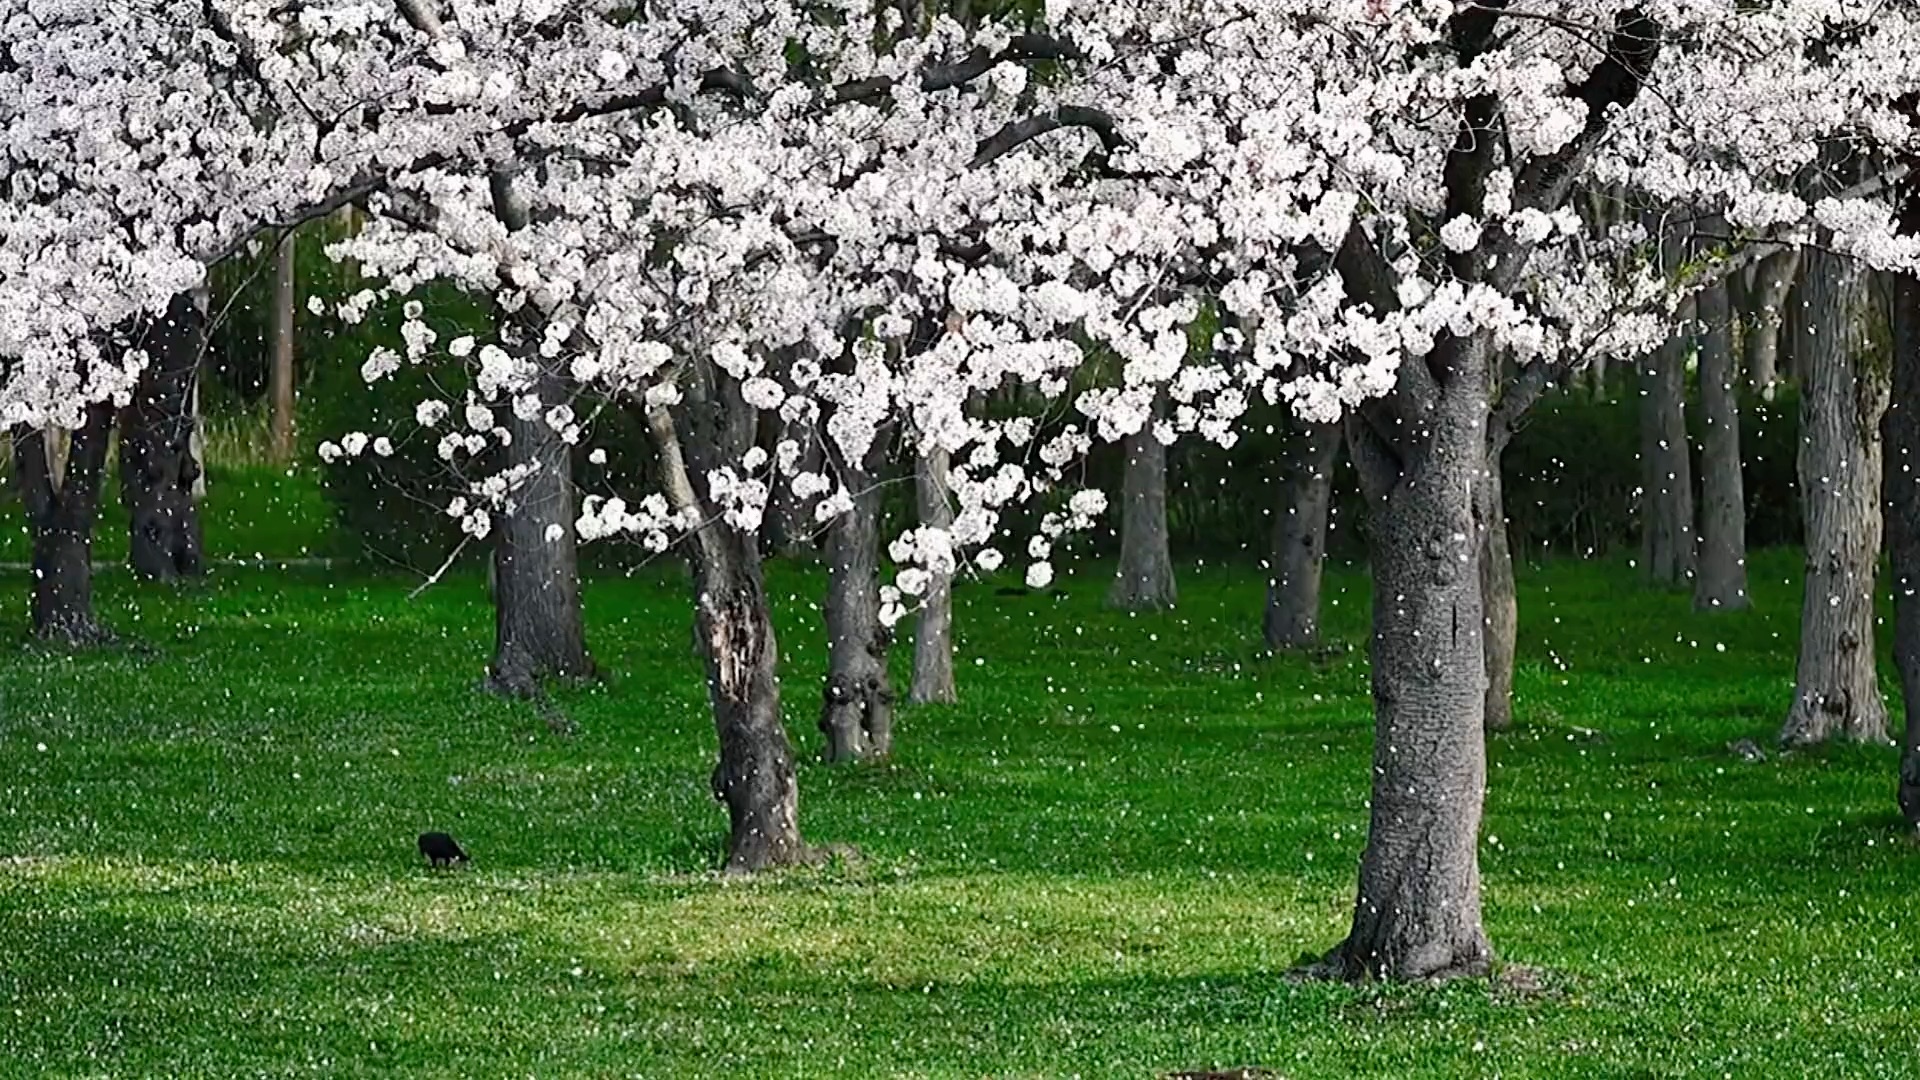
{"x":1102,"y":863}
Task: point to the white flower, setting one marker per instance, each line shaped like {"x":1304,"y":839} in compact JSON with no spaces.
{"x":554,"y":532}
{"x":1039,"y":575}
{"x":429,"y":413}
{"x":1460,"y":234}
{"x":479,"y":417}
{"x":461,"y":347}
{"x":354,"y":444}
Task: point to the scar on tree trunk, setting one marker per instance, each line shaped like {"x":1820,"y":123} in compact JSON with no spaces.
{"x":158,"y":468}
{"x":755,"y":776}
{"x":61,"y":508}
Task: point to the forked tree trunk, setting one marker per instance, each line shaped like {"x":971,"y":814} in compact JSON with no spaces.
{"x":1667,"y":473}
{"x":1720,"y":581}
{"x":856,"y":712}
{"x":538,"y":630}
{"x":61,"y":510}
{"x":933,"y":634}
{"x":1144,"y":581}
{"x":1499,"y":599}
{"x":1300,"y":538}
{"x":755,"y":777}
{"x":1901,"y":426}
{"x":280,"y":377}
{"x":1843,"y":394}
{"x":158,"y":469}
{"x":1764,"y":318}
{"x":1417,"y":914}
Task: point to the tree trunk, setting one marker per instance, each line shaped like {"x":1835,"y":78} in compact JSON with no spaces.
{"x":1901,"y":427}
{"x":1765,"y":318}
{"x":856,"y":714}
{"x":158,"y":469}
{"x":1667,"y":498}
{"x":61,"y":510}
{"x":1417,"y":914}
{"x":755,"y":777}
{"x":1843,"y":395}
{"x":1597,"y":373}
{"x":1300,"y":539}
{"x":1721,"y":581}
{"x":1499,"y":599}
{"x":539,"y":632}
{"x":1144,"y":581}
{"x":280,"y":377}
{"x":933,"y":634}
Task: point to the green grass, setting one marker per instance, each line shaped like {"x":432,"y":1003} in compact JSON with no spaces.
{"x":1101,"y":864}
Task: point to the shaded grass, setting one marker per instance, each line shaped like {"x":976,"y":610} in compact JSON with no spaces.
{"x":1100,"y":864}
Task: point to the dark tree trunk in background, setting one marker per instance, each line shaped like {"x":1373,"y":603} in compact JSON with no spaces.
{"x":158,"y":469}
{"x":1843,"y":395}
{"x":1667,"y":543}
{"x":933,"y":634}
{"x":856,"y":714}
{"x":1144,"y":581}
{"x":1300,"y":538}
{"x":755,"y":776}
{"x":539,"y":632}
{"x":1499,"y":599}
{"x":61,"y":507}
{"x":1417,"y":914}
{"x":1720,"y":583}
{"x":1764,"y":318}
{"x":1901,"y":426}
{"x":280,"y":377}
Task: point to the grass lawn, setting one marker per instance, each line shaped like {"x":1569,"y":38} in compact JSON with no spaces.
{"x":1100,"y":864}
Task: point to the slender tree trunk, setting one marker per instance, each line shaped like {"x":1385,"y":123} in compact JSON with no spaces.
{"x":1844,"y":392}
{"x":755,"y":777}
{"x":1417,"y":914}
{"x":1721,"y":581}
{"x":197,"y":448}
{"x":1667,"y":506}
{"x":61,"y":510}
{"x":856,"y":714}
{"x":1597,"y":373}
{"x":933,"y":633}
{"x":1144,"y":581}
{"x":539,"y":631}
{"x":1300,"y":539}
{"x":1901,"y":426}
{"x":1765,"y":318}
{"x":280,"y":377}
{"x":1499,"y":599}
{"x":158,"y":469}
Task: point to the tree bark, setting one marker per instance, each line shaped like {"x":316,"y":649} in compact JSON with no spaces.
{"x":61,"y":510}
{"x":1765,"y":318}
{"x":1499,"y":598}
{"x":158,"y":469}
{"x":1417,"y":914}
{"x":539,"y":632}
{"x":1144,"y":581}
{"x":1300,"y":539}
{"x":280,"y":376}
{"x":1720,"y":583}
{"x":933,"y":682}
{"x":1667,"y":499}
{"x":1901,"y":427}
{"x":1843,"y":395}
{"x":856,"y":713}
{"x":755,"y":776}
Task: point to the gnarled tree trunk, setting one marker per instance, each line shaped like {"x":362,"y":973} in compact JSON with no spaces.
{"x":1843,"y":394}
{"x":933,"y":633}
{"x":1417,"y":914}
{"x":1666,"y":511}
{"x":755,"y":776}
{"x":856,"y":714}
{"x":158,"y":469}
{"x":1720,"y":581}
{"x":61,"y":509}
{"x":1144,"y":581}
{"x":1300,"y":538}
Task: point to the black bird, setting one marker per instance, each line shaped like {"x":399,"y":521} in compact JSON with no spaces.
{"x":440,"y":849}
